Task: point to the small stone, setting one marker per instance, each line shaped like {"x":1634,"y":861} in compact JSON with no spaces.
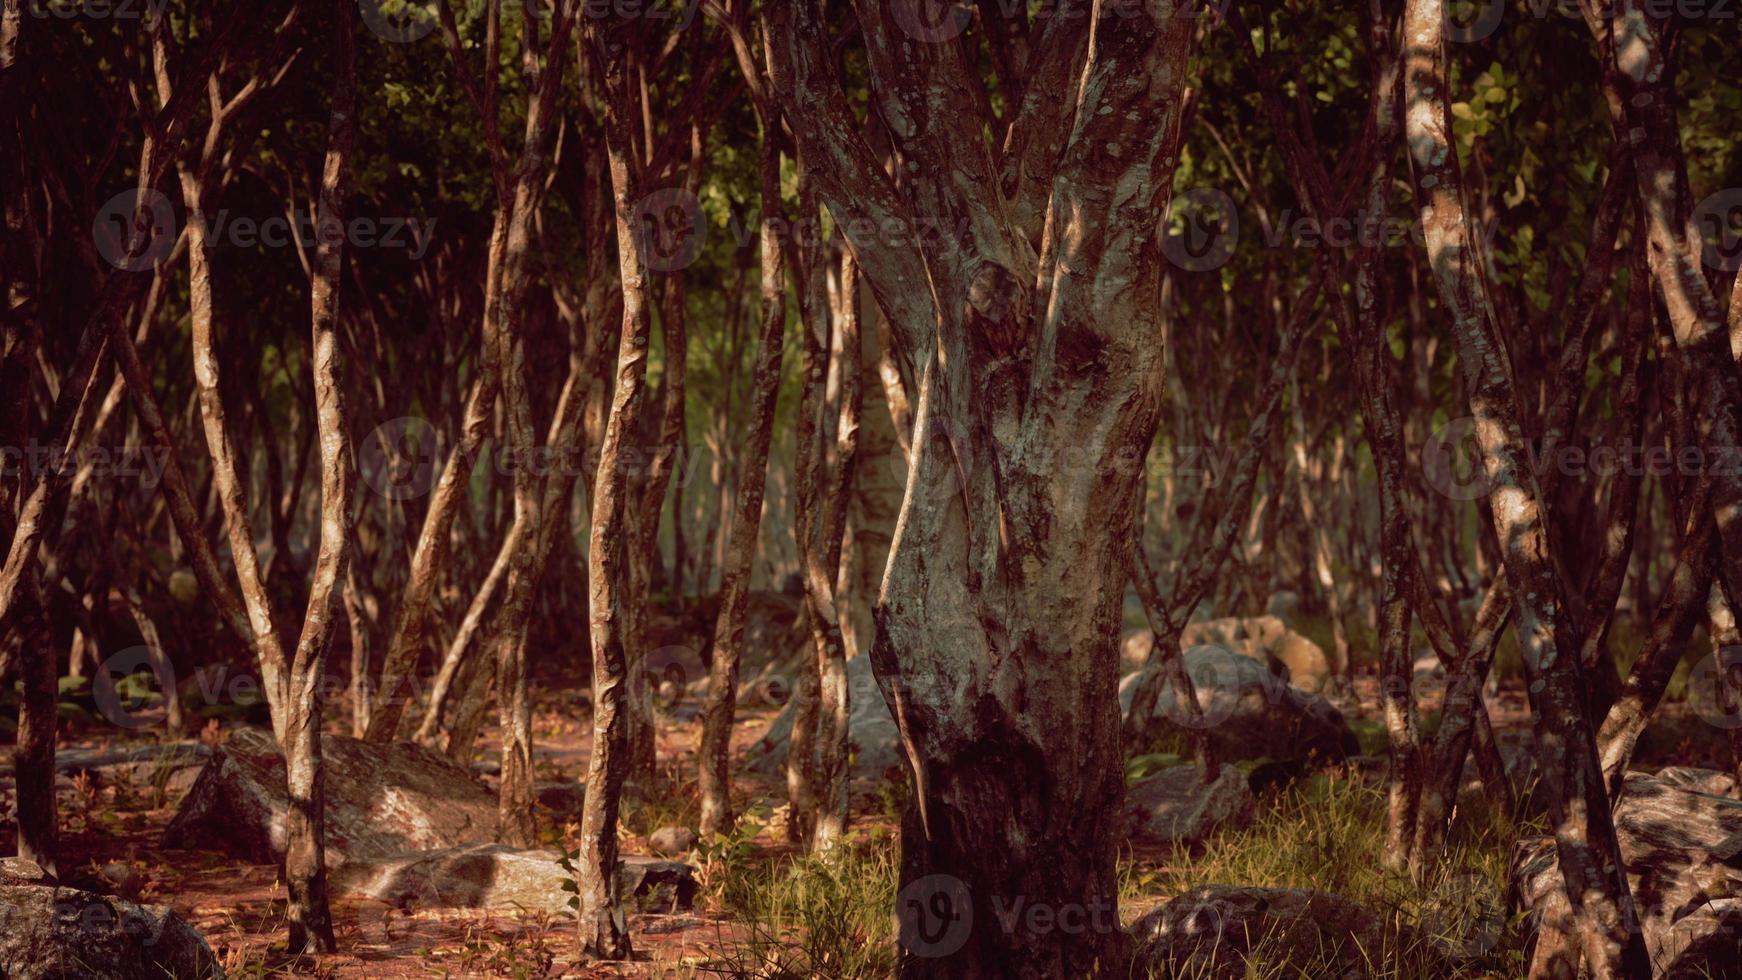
{"x":672,"y":841}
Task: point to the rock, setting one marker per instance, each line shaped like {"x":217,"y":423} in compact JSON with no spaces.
{"x":1708,"y":781}
{"x":565,"y":796}
{"x":1309,"y":669}
{"x":497,"y":876}
{"x":672,"y":841}
{"x":47,"y":931}
{"x":1284,"y":604}
{"x":22,"y":871}
{"x":1428,"y":667}
{"x":1683,"y":852}
{"x":876,"y":742}
{"x":1175,"y":807}
{"x":1212,"y":929}
{"x":1134,"y":650}
{"x":382,"y":799}
{"x":1265,"y":639}
{"x":1249,"y":713}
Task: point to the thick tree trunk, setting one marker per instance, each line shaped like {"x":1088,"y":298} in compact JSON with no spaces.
{"x":1038,"y":396}
{"x":1589,"y":856}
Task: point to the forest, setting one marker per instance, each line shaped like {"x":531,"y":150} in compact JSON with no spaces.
{"x":871,"y":488}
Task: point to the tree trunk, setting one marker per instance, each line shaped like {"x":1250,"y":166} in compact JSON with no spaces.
{"x":1038,"y":396}
{"x":714,"y":772}
{"x":603,"y":929}
{"x":305,"y":871}
{"x":1589,"y":856}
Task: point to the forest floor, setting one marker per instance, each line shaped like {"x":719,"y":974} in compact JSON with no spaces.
{"x":762,"y":904}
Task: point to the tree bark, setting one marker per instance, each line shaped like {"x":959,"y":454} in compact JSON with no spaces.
{"x":311,"y":926}
{"x":1038,"y":396}
{"x":1589,"y":857}
{"x":603,"y":929}
{"x":714,"y":772}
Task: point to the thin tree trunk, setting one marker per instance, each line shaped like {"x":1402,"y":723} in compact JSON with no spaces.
{"x":1589,"y":856}
{"x":311,"y":926}
{"x":603,"y":929}
{"x":714,"y":772}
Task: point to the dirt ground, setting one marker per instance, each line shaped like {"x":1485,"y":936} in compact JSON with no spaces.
{"x":240,"y":908}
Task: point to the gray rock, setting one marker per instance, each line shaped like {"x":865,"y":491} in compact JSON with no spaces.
{"x":672,"y":841}
{"x":876,"y":742}
{"x":1248,"y":712}
{"x":1174,"y":806}
{"x":1708,"y":781}
{"x":1284,"y":604}
{"x":1683,"y":852}
{"x":68,"y":934}
{"x":1266,"y":639}
{"x":496,"y":876}
{"x":382,"y":799}
{"x":1211,"y":930}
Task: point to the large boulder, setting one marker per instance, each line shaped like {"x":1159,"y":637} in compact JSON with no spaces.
{"x":382,"y":799}
{"x":1175,"y":806}
{"x":1265,"y":639}
{"x":1215,"y":931}
{"x":496,"y":876}
{"x":1248,"y":712}
{"x":1683,"y":851}
{"x":876,"y":742}
{"x":68,"y":934}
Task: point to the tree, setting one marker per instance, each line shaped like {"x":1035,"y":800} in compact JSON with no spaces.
{"x":1030,"y":320}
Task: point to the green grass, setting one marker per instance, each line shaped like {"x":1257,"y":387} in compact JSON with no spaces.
{"x":1328,"y":833}
{"x":813,"y":917}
